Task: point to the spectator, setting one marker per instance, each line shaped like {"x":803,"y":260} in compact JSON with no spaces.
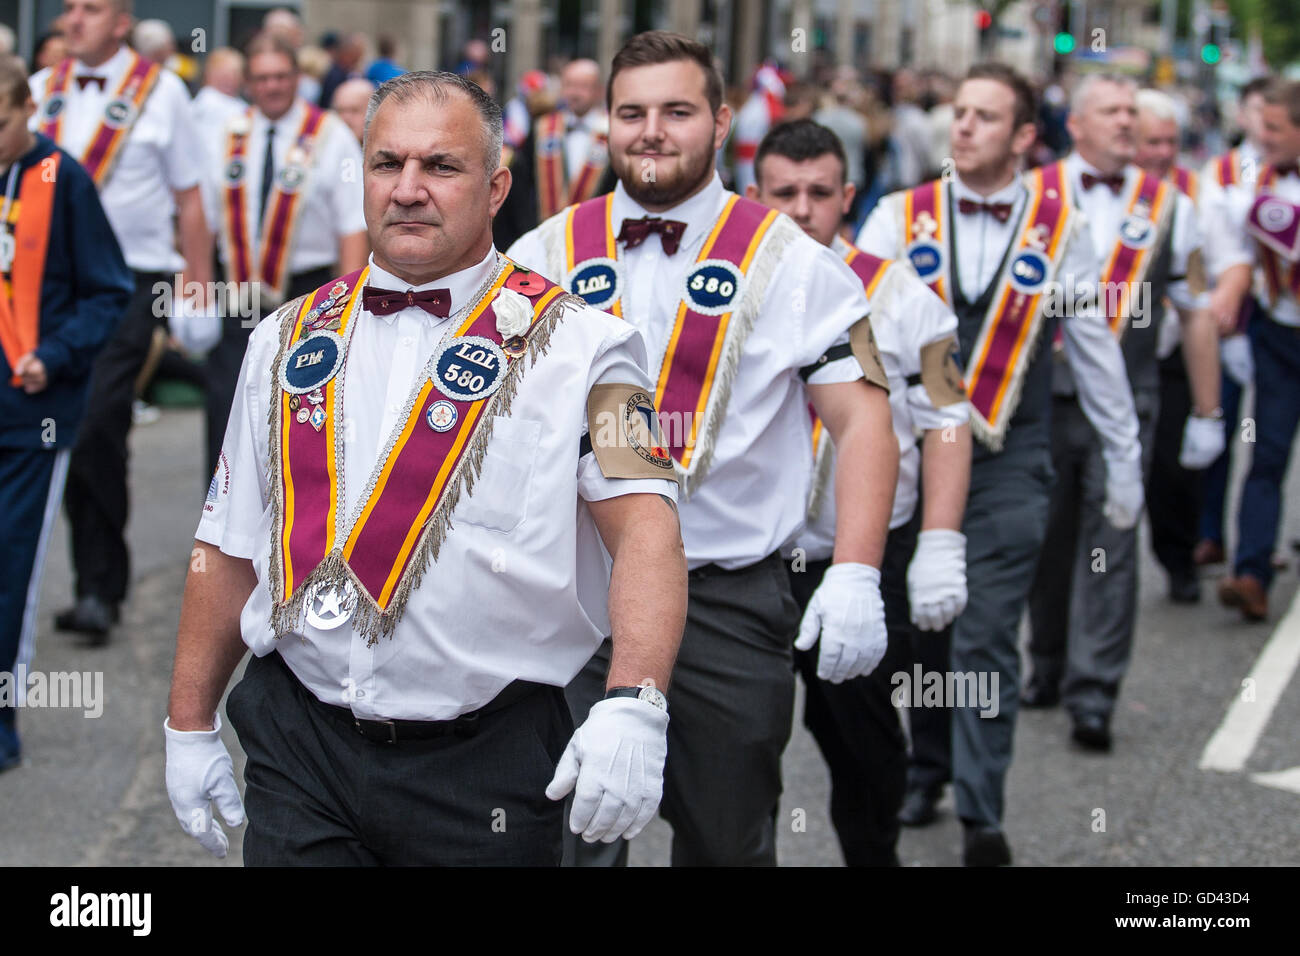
{"x":346,"y":58}
{"x":384,"y":67}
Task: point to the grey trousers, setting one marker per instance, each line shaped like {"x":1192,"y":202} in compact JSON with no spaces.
{"x":730,"y":708}
{"x":1006,"y":518}
{"x":1084,"y":601}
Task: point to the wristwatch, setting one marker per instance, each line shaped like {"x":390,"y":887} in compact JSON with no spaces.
{"x":646,"y":693}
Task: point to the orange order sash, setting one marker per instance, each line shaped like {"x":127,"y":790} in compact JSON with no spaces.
{"x":554,"y":192}
{"x":284,"y":204}
{"x":418,"y":479}
{"x":1282,"y":276}
{"x":120,"y":114}
{"x":20,"y":316}
{"x":1004,"y":347}
{"x":1187,"y":181}
{"x":1150,"y":207}
{"x":1227,"y":168}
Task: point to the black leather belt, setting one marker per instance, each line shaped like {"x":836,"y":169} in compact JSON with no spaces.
{"x":712,"y":570}
{"x":396,"y":731}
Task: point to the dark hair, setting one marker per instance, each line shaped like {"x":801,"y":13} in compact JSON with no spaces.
{"x":435,"y":85}
{"x":265,"y":42}
{"x":1285,"y":93}
{"x":14,"y":90}
{"x":1258,"y":85}
{"x":41,"y":42}
{"x":1026,"y":99}
{"x":800,"y":140}
{"x":660,"y":46}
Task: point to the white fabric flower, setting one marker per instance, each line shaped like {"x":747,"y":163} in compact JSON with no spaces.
{"x":239,"y":125}
{"x":514,"y":313}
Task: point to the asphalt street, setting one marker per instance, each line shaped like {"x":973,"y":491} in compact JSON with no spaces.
{"x":90,"y":790}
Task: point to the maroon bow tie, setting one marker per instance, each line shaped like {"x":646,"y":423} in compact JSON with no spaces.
{"x":387,"y":301}
{"x":635,"y":231}
{"x":1116,"y":182}
{"x":87,"y":79}
{"x":1001,"y":211}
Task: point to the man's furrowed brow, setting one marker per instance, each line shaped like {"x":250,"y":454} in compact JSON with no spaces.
{"x":670,"y":105}
{"x":438,"y":156}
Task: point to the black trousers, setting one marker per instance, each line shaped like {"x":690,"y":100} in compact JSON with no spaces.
{"x":855,"y":723}
{"x":1174,"y":494}
{"x":317,"y":793}
{"x":96,"y":498}
{"x":221,"y":366}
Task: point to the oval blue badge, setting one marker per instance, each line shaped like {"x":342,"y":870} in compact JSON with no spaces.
{"x":595,"y":281}
{"x":468,"y":369}
{"x":1136,"y":232}
{"x":926,"y":258}
{"x":713,"y":286}
{"x":1029,"y":271}
{"x":312,"y":362}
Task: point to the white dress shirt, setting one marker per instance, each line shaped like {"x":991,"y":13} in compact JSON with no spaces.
{"x":520,"y":584}
{"x":980,"y":242}
{"x":1224,"y":213}
{"x":212,"y":109}
{"x":579,"y":137}
{"x":159,"y":157}
{"x":905,"y":317}
{"x":332,"y":204}
{"x":753,"y":498}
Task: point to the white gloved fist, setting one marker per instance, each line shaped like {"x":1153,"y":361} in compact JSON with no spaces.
{"x":1238,"y":360}
{"x":200,"y":773}
{"x":614,"y":764}
{"x":936,"y":578}
{"x":1124,"y":494}
{"x":847,"y":612}
{"x":196,"y":328}
{"x":1203,"y":442}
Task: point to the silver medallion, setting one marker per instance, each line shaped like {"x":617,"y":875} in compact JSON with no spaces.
{"x":330,"y":606}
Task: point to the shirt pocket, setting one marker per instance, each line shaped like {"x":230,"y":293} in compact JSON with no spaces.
{"x":500,"y":498}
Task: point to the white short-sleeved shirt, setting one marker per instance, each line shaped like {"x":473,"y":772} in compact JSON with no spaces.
{"x":160,"y":156}
{"x":752,"y":500}
{"x":1090,"y":348}
{"x":580,"y":137}
{"x":332,"y":203}
{"x":905,"y":317}
{"x":519,"y":587}
{"x":1224,"y":213}
{"x":211,"y":109}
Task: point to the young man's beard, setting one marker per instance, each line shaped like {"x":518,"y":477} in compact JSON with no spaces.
{"x":660,"y":191}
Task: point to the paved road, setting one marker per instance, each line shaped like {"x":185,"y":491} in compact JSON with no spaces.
{"x":90,"y":791}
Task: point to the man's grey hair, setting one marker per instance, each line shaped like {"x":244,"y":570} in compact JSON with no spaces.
{"x":433,"y":86}
{"x":1157,"y":104}
{"x":1083,"y":92}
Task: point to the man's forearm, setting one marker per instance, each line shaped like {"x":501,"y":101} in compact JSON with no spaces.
{"x":647,"y":594}
{"x":945,"y":477}
{"x":195,"y":238}
{"x":208,"y":642}
{"x":866,"y":473}
{"x":1201,"y":356}
{"x":1229,"y":292}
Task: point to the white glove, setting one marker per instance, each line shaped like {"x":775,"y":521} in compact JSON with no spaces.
{"x":614,"y":764}
{"x":936,"y":578}
{"x":200,"y":772}
{"x":1238,"y":360}
{"x":1124,"y":495}
{"x":847,"y":612}
{"x":197,"y":329}
{"x":1202,"y":442}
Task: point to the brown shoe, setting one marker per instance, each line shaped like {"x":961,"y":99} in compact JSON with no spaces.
{"x":1247,"y":595}
{"x":1207,"y":552}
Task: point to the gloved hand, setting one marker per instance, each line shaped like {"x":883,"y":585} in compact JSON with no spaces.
{"x":1202,"y":442}
{"x":1238,"y":360}
{"x":936,"y":578}
{"x":614,"y":764}
{"x":200,"y":772}
{"x":1124,"y":494}
{"x":847,"y":612}
{"x":197,"y":328}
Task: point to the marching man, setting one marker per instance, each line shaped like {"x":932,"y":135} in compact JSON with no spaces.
{"x":800,"y":169}
{"x":426,"y":457}
{"x":999,"y":246}
{"x":127,"y":121}
{"x":746,"y":320}
{"x":284,"y":192}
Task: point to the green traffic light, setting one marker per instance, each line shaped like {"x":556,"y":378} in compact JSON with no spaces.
{"x":1063,"y":43}
{"x":1210,"y":53}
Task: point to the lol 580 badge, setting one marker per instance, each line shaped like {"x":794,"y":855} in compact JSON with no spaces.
{"x":469,"y":368}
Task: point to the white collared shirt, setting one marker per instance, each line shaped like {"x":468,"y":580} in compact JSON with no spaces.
{"x":905,"y":317}
{"x":1224,"y":213}
{"x":519,"y":586}
{"x":332,"y":204}
{"x":160,"y":156}
{"x":752,"y":500}
{"x":579,"y":136}
{"x":980,"y":242}
{"x":211,"y":109}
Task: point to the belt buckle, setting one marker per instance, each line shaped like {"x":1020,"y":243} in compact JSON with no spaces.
{"x":391,"y":725}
